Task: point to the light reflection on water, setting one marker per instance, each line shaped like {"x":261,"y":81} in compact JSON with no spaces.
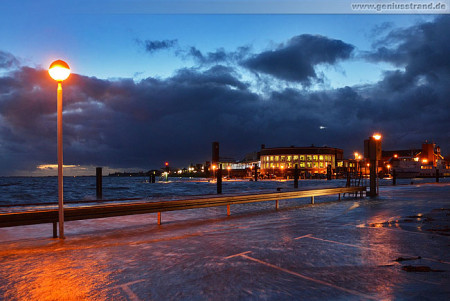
{"x":54,"y":276}
{"x":381,"y":249}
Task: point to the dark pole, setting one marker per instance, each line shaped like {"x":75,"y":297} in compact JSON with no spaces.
{"x":373,"y":178}
{"x":329,"y":172}
{"x":394,"y":177}
{"x":437,"y":175}
{"x":153,"y":177}
{"x":256,"y":172}
{"x":98,"y":174}
{"x":219,"y":179}
{"x":296,"y":176}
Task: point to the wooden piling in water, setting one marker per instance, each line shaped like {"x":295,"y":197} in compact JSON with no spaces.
{"x":99,"y":188}
{"x":296,"y":176}
{"x":219,"y":179}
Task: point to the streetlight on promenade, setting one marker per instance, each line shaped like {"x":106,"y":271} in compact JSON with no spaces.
{"x":59,"y":71}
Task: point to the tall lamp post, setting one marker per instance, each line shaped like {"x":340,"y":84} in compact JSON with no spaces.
{"x":59,"y":71}
{"x":372,"y":151}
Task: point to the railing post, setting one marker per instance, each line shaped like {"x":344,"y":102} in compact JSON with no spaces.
{"x":339,"y":196}
{"x":55,"y":231}
{"x":312,"y":200}
{"x":99,"y":188}
{"x":228,"y":210}
{"x":276,"y":205}
{"x":159,"y":218}
{"x":394,"y":177}
{"x":256,"y":172}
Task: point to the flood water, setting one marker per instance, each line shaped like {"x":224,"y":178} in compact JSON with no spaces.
{"x":393,"y":247}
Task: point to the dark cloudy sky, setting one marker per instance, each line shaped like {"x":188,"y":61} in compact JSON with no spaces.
{"x":153,"y":88}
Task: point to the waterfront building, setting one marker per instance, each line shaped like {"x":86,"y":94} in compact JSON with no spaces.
{"x":416,"y":162}
{"x":312,"y":160}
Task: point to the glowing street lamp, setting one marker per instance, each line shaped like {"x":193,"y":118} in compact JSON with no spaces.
{"x":229,"y":168}
{"x":59,"y":71}
{"x":376,"y":136}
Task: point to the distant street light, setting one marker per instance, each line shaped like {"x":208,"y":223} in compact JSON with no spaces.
{"x":376,"y":136}
{"x":214,"y":171}
{"x":59,"y":71}
{"x":229,"y":168}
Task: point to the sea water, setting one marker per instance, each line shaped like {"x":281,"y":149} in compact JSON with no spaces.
{"x":35,"y":191}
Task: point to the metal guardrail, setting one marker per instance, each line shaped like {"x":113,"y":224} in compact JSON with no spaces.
{"x":102,"y":211}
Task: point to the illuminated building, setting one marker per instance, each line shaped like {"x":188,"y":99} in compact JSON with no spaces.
{"x":416,"y":162}
{"x":281,"y":161}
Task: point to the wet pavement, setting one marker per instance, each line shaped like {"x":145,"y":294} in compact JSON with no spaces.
{"x":394,"y":247}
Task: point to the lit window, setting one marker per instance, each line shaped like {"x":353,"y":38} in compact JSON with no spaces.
{"x":309,"y":164}
{"x":302,"y":164}
{"x":289,"y":158}
{"x":320,"y":158}
{"x":277,"y":158}
{"x":308,"y":157}
{"x":321,"y":164}
{"x":315,"y":164}
{"x":271,"y":158}
{"x":282,"y":158}
{"x":302,"y":158}
{"x":276,"y":165}
{"x":295,"y":158}
{"x":315,"y":157}
{"x":340,"y":164}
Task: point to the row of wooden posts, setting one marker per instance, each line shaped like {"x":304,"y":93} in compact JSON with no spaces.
{"x":152,"y":179}
{"x":99,"y":187}
{"x":394,"y":176}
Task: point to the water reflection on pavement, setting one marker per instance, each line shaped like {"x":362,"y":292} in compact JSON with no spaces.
{"x":355,"y":249}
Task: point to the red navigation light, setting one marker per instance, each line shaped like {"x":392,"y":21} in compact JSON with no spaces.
{"x":167,"y":163}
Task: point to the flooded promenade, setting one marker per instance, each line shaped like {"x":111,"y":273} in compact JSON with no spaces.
{"x":393,"y":247}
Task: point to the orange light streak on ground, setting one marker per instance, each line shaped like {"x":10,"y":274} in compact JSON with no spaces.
{"x":56,"y":277}
{"x":382,"y":248}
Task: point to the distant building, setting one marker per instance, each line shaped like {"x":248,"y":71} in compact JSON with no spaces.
{"x":310,"y":160}
{"x":416,"y":162}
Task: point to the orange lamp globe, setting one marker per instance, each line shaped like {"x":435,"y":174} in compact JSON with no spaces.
{"x":376,"y":136}
{"x":59,"y":70}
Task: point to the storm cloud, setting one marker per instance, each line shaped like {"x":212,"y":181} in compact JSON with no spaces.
{"x":156,"y":45}
{"x":122,"y":123}
{"x":7,"y":60}
{"x":295,"y":60}
{"x":422,"y":50}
